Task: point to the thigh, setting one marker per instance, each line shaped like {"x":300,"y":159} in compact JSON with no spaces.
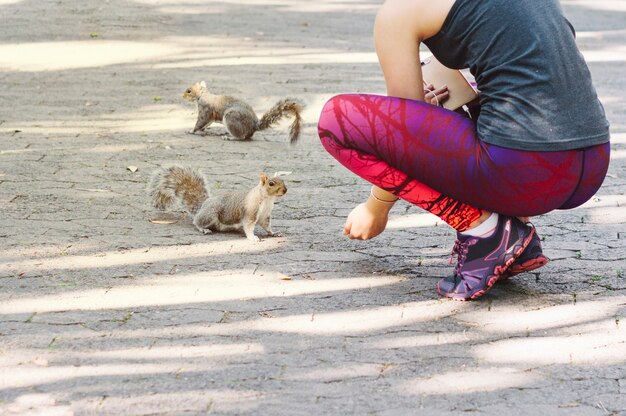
{"x":413,"y":136}
{"x":430,"y":144}
{"x":442,"y":150}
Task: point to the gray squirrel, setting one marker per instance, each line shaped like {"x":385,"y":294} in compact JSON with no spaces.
{"x":237,"y":116}
{"x":231,"y":211}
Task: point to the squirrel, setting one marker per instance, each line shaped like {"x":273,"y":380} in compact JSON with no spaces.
{"x":231,"y":211}
{"x":237,"y":116}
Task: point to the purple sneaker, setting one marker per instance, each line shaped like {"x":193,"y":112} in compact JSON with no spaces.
{"x":531,"y":258}
{"x":482,"y":261}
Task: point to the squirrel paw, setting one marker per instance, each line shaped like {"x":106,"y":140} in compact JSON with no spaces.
{"x":232,"y":138}
{"x":205,"y":231}
{"x":274,"y":234}
{"x":254,"y":238}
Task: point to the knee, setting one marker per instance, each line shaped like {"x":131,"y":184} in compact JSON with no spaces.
{"x":328,"y":124}
{"x":331,"y":106}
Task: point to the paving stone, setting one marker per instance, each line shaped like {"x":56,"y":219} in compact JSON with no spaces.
{"x":104,"y":312}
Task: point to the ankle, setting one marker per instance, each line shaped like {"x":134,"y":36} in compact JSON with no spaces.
{"x":484,"y":217}
{"x":485,"y":228}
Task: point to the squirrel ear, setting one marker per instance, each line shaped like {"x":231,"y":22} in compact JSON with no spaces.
{"x":203,"y":84}
{"x":263,"y":178}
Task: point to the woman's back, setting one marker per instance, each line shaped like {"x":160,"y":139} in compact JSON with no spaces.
{"x":536,"y":90}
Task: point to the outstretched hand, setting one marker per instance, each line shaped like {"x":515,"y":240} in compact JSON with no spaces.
{"x":366,"y":221}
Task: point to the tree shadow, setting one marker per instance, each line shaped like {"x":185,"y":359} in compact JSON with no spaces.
{"x":196,"y":324}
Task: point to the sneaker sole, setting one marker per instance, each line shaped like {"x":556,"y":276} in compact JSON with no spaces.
{"x":498,"y":271}
{"x":525,"y":267}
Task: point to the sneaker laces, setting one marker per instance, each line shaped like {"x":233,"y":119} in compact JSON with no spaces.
{"x":460,"y":249}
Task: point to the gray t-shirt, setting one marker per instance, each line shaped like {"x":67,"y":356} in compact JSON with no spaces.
{"x":536,"y":90}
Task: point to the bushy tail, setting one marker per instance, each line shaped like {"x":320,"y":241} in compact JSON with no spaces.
{"x":287,"y":106}
{"x":178,"y":185}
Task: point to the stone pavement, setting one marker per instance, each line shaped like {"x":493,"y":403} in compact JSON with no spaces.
{"x":103,"y":312}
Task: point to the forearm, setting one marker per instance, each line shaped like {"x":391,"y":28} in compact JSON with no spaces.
{"x":380,"y":201}
{"x":380,"y":195}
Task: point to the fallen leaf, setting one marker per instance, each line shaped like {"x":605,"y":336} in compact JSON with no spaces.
{"x":132,"y":168}
{"x":282,"y":173}
{"x":93,"y":190}
{"x":285,"y":278}
{"x":163,"y":221}
{"x":42,"y":362}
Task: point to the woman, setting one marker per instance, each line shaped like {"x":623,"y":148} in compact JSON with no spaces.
{"x":540,"y":143}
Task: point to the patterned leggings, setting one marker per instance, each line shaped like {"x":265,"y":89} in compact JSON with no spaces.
{"x":433,"y":158}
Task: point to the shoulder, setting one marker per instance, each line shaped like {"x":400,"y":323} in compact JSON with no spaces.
{"x":424,"y":18}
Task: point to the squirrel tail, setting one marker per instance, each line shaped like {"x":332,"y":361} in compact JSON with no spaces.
{"x":286,"y":106}
{"x":178,"y":185}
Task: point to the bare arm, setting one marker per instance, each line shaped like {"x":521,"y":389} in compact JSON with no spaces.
{"x":399,"y":28}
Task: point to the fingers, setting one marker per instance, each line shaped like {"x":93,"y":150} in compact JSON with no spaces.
{"x":436,"y":96}
{"x":355,"y":234}
{"x":348,"y":233}
{"x":443,"y":96}
{"x":431,"y":90}
{"x":346,"y":229}
{"x":441,"y":90}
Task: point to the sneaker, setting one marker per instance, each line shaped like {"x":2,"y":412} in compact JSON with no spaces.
{"x":531,"y":258}
{"x":482,"y":261}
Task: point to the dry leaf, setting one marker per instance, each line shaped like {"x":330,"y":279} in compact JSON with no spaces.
{"x":285,"y":278}
{"x":40,"y":361}
{"x":132,"y":168}
{"x":93,"y":190}
{"x":163,"y":221}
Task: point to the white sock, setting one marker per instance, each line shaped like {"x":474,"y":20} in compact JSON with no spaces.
{"x":484,"y":230}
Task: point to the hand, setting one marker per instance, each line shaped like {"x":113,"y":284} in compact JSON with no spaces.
{"x":436,"y":96}
{"x":366,"y":221}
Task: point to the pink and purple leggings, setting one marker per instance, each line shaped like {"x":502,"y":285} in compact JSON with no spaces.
{"x":433,"y":158}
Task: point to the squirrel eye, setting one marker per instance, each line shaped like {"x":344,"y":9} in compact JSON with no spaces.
{"x":271,"y":183}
